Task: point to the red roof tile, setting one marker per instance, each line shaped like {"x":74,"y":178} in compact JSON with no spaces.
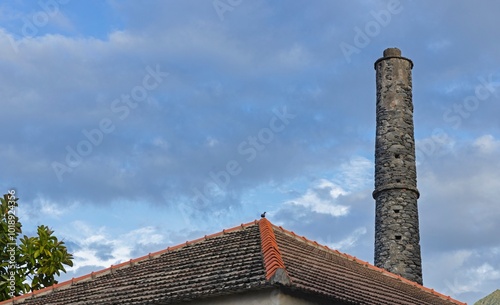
{"x":318,"y":269}
{"x":270,"y":250}
{"x":255,"y":255}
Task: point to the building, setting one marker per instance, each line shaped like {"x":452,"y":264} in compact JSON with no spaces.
{"x":255,"y":263}
{"x":261,"y":263}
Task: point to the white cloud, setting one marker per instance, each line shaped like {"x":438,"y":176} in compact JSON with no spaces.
{"x":43,"y":208}
{"x":348,"y":242}
{"x":211,"y":141}
{"x":356,"y":174}
{"x":98,"y":249}
{"x":161,"y":143}
{"x":438,"y":144}
{"x":321,"y":199}
{"x":50,"y":208}
{"x":438,"y":45}
{"x":485,"y":272}
{"x":446,"y":265}
{"x":463,"y":272}
{"x":473,"y":279}
{"x":145,"y":236}
{"x":486,"y":144}
{"x":296,"y":56}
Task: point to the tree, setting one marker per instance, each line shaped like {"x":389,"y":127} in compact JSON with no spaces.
{"x":27,"y":263}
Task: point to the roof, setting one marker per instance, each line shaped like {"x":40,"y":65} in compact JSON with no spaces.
{"x":256,"y":255}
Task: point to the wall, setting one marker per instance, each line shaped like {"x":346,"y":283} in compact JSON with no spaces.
{"x":272,"y":296}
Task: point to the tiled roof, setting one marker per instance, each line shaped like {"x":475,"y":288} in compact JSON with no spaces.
{"x":252,"y":256}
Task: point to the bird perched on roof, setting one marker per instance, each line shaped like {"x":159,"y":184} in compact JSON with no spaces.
{"x":263,"y":215}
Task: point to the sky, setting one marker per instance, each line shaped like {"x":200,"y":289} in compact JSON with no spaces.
{"x":130,"y":126}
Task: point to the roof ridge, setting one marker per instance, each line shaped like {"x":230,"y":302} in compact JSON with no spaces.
{"x":125,"y":264}
{"x":273,"y":261}
{"x":367,"y":265}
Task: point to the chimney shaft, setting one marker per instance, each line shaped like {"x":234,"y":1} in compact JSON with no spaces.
{"x":397,"y":237}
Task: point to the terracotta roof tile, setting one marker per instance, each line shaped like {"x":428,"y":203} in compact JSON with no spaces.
{"x":318,"y":269}
{"x":255,"y":255}
{"x":272,"y":256}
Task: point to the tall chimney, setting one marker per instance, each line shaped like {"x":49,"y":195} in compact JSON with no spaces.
{"x":397,"y":237}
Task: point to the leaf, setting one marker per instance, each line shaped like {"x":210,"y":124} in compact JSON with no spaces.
{"x":39,"y":258}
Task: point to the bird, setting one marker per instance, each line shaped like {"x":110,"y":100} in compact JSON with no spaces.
{"x":263,"y":215}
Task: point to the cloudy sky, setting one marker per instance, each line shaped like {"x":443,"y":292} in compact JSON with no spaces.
{"x":129,"y":126}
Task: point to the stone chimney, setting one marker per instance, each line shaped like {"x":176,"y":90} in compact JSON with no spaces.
{"x":397,"y":237}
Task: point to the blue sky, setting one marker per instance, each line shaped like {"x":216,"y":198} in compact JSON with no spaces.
{"x":130,"y":126}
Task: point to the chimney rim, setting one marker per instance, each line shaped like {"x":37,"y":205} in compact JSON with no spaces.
{"x":392,"y":53}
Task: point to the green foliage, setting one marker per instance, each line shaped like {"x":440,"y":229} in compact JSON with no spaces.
{"x":27,"y":263}
{"x":491,"y":299}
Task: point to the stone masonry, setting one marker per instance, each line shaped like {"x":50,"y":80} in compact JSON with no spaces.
{"x":397,"y":237}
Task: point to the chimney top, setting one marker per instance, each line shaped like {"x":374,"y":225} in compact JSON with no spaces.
{"x":392,"y":52}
